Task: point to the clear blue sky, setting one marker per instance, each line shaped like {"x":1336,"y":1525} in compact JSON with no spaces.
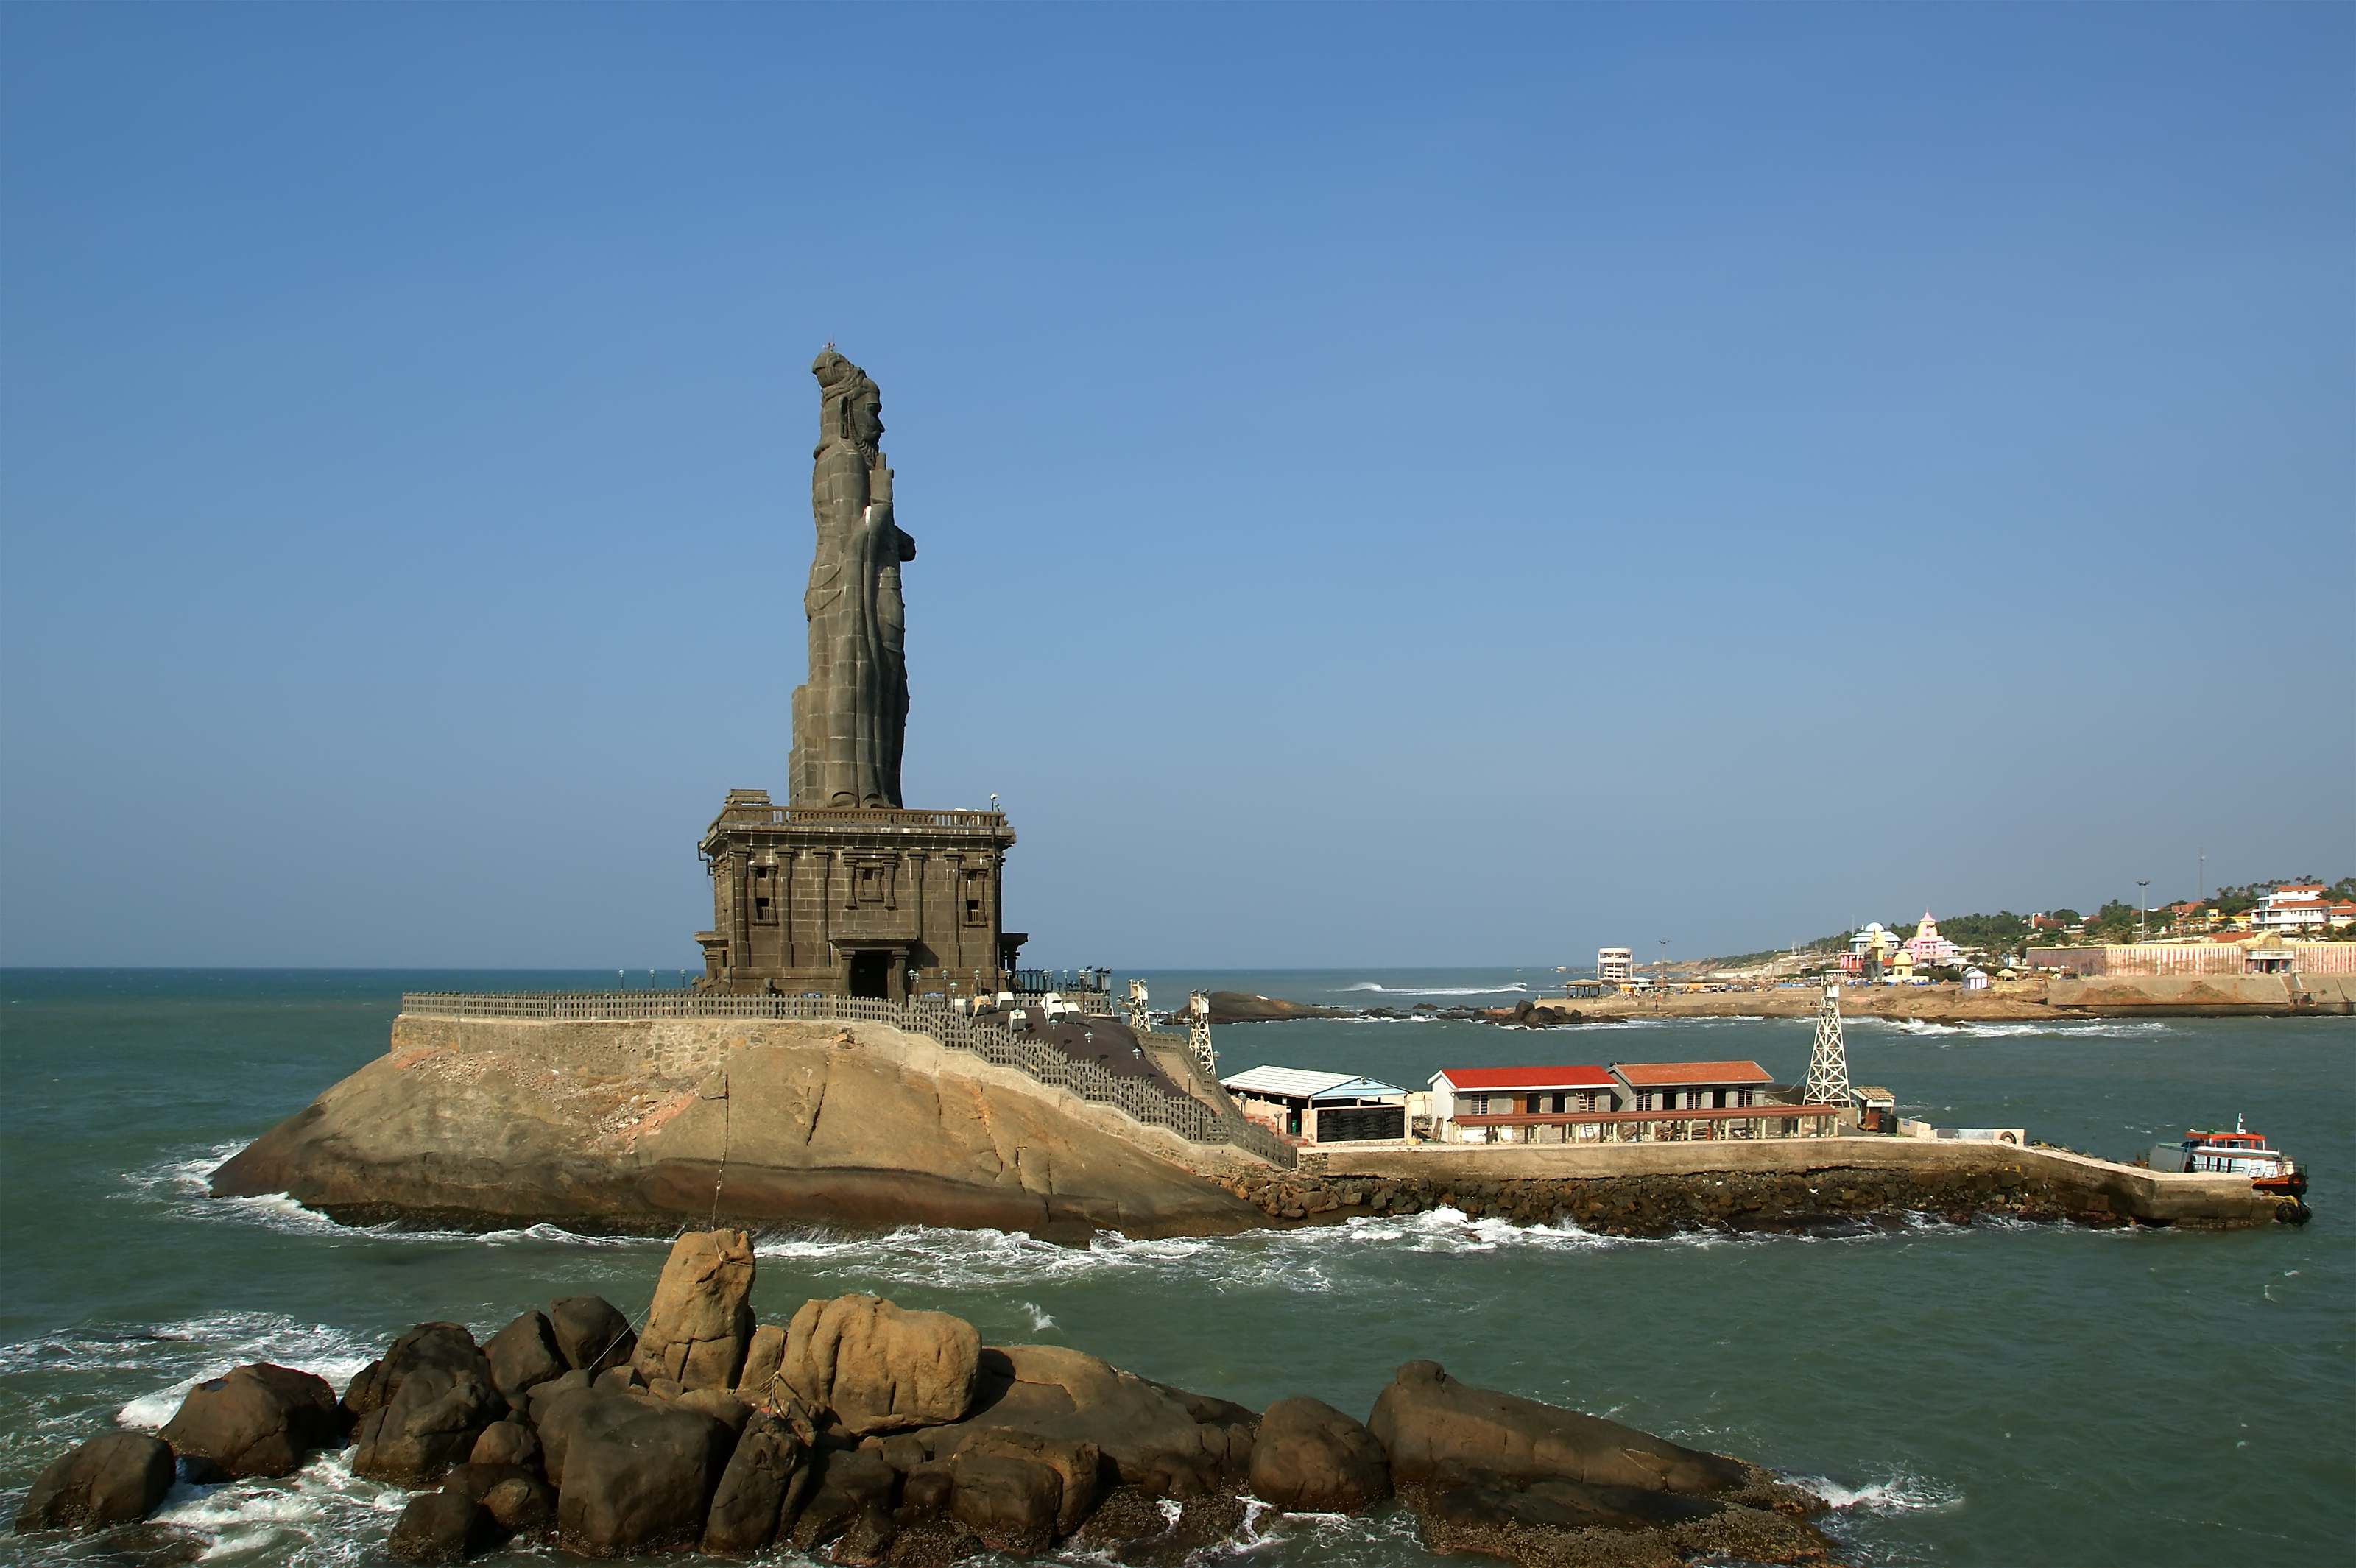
{"x":1430,"y":484}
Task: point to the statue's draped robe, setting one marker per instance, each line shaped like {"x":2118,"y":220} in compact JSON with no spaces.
{"x":850,"y":718}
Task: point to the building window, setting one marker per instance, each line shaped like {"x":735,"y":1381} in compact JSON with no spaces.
{"x":977,"y":898}
{"x":763,"y":894}
{"x":870,"y":884}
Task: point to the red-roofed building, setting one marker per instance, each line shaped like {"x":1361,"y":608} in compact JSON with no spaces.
{"x":1516,"y":1090}
{"x":1691,"y":1085}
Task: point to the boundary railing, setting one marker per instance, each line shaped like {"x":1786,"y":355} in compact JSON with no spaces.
{"x":994,"y":1042}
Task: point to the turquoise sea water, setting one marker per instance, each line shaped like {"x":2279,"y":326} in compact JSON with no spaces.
{"x":1996,"y":1393}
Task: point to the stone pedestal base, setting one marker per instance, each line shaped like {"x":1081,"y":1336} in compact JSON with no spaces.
{"x":843,"y":903}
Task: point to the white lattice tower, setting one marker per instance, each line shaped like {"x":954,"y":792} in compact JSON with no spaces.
{"x":1138,"y":1019}
{"x":1198,"y":1031}
{"x":1828,"y":1061}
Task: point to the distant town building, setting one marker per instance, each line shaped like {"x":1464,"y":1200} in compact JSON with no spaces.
{"x":1975,"y":979}
{"x":1613,"y":964}
{"x":1927,"y":947}
{"x":1320,"y":1107}
{"x":2294,"y":906}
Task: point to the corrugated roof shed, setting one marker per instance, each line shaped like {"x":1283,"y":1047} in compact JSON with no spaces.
{"x":1298,"y":1083}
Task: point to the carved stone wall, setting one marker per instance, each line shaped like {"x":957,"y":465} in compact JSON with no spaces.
{"x":847,"y":903}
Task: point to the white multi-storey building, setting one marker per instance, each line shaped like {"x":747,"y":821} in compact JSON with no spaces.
{"x":2294,"y":906}
{"x":1613,"y":964}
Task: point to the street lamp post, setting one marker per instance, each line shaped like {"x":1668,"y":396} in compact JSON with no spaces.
{"x":2141,"y":883}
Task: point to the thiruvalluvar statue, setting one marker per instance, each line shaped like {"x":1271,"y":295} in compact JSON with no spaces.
{"x":852,"y":716}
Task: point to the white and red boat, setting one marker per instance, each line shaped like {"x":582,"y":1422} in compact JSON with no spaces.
{"x":2238,"y":1153}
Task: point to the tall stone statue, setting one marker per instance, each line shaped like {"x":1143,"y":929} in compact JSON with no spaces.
{"x":851,"y":717}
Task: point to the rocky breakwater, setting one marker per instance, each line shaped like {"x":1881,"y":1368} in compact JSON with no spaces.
{"x":867,"y":1434}
{"x":1660,"y":1204}
{"x":634,"y":1125}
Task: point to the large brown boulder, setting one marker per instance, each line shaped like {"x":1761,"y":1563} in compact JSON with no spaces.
{"x":439,"y":1526}
{"x":1075,"y":1462}
{"x":1010,"y":1502}
{"x":752,"y":1495}
{"x":591,"y":1333}
{"x":852,"y":1494}
{"x":1310,"y":1458}
{"x":439,"y":1395}
{"x":1164,"y":1441}
{"x":637,"y":1475}
{"x":259,"y":1419}
{"x":118,"y":1477}
{"x":523,"y":1355}
{"x":1425,"y":1419}
{"x":764,"y":1354}
{"x":700,"y":1323}
{"x":881,"y":1369}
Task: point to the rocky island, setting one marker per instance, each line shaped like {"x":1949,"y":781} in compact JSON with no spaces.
{"x":873,"y":1434}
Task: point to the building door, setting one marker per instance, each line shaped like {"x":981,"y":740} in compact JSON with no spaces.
{"x":871,"y":975}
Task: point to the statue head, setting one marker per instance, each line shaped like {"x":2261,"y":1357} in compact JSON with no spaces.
{"x":850,"y":407}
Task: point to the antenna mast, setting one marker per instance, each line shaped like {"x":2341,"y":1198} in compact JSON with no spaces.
{"x":1828,"y":1061}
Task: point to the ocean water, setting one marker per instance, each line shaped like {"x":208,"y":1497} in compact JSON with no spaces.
{"x":1991,"y":1394}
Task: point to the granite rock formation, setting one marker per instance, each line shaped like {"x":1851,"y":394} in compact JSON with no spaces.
{"x":116,"y":1477}
{"x":259,"y":1419}
{"x":602,"y":1127}
{"x":921,"y":1447}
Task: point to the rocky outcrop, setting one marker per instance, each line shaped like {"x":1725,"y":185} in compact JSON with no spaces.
{"x":1245,"y":1008}
{"x":1497,"y":1474}
{"x":699,"y":1324}
{"x":638,"y":1475}
{"x":1164,"y":1442}
{"x":1424,"y":1419}
{"x":1309,"y":1456}
{"x":768,"y":1457}
{"x":895,"y":1437}
{"x":259,"y":1419}
{"x":439,"y":1527}
{"x":438,"y":1395}
{"x":591,"y":1333}
{"x":880,"y":1369}
{"x":602,"y":1124}
{"x":117,"y":1478}
{"x":524,"y":1354}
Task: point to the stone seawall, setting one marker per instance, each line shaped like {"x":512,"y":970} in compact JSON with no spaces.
{"x":1653,"y":1189}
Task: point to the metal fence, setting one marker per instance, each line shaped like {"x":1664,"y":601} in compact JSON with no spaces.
{"x":994,"y":1042}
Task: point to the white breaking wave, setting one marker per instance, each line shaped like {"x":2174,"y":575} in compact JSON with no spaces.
{"x":320,"y":1517}
{"x":2091,"y":1029}
{"x":183,"y":1181}
{"x":1436,"y":990}
{"x":1902,"y":1493}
